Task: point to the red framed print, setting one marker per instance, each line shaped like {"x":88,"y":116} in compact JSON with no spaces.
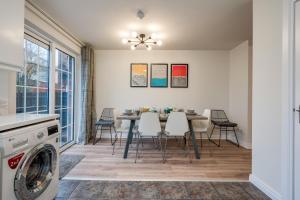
{"x":179,"y":75}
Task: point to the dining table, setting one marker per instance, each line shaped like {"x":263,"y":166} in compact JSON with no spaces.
{"x":162,"y":117}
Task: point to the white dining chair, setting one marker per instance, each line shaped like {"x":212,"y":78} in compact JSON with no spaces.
{"x":202,"y":126}
{"x":177,"y":126}
{"x":149,"y":127}
{"x":123,"y":126}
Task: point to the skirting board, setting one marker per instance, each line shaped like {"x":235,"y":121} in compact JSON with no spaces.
{"x":243,"y":143}
{"x":264,"y":187}
{"x":214,"y":137}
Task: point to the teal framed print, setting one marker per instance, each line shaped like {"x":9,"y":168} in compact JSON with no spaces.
{"x":159,"y":75}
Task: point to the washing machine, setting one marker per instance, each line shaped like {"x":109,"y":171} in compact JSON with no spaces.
{"x":29,"y":158}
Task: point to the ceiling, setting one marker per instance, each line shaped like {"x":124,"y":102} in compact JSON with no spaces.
{"x":183,"y":24}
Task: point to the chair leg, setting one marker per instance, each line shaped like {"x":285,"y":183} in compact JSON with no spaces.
{"x":160,"y":146}
{"x":114,"y":144}
{"x":113,"y":153}
{"x":100,"y":133}
{"x":137,"y":148}
{"x":121,"y":138}
{"x":212,"y":131}
{"x":153,"y":141}
{"x":220,"y":137}
{"x":110,"y":135}
{"x":201,"y":139}
{"x":134,"y":137}
{"x":181,"y":142}
{"x":188,"y":149}
{"x":142,"y":149}
{"x":95,"y":135}
{"x":212,"y":141}
{"x":238,"y":144}
{"x":165,"y":149}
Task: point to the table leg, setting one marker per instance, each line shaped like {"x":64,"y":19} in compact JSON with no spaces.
{"x":129,"y":138}
{"x":196,"y":149}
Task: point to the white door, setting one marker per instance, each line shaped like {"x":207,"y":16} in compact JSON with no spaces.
{"x":297,"y":104}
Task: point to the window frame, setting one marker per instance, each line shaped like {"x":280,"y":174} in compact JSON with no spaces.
{"x":73,"y":73}
{"x":53,"y":45}
{"x":40,"y":42}
{"x":62,"y":48}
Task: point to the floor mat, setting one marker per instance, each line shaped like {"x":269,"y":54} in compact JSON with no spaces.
{"x":148,"y":190}
{"x":68,"y":162}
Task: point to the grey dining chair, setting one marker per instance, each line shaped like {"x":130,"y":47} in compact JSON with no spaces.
{"x":105,"y":122}
{"x":220,"y":120}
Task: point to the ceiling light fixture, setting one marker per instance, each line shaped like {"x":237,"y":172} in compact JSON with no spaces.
{"x":141,"y":40}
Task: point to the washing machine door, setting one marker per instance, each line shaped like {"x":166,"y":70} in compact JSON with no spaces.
{"x":36,"y":172}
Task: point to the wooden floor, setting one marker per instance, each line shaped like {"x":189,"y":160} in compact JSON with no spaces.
{"x":225,"y":163}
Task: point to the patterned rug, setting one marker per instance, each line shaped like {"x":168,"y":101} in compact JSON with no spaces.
{"x":139,"y":190}
{"x":68,"y":162}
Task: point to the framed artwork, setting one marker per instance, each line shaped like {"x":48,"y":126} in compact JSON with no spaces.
{"x":159,"y":75}
{"x":139,"y":75}
{"x":179,"y":75}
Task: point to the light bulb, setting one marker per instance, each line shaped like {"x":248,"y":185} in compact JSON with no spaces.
{"x":124,"y":41}
{"x":134,"y":34}
{"x":159,"y":42}
{"x":132,"y":47}
{"x":153,"y":35}
{"x":149,"y":48}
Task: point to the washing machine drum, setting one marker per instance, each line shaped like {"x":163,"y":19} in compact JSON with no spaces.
{"x":36,"y":172}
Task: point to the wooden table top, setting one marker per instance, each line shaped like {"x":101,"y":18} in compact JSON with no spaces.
{"x":162,"y":117}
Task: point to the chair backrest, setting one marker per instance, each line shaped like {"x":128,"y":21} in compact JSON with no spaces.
{"x":206,"y":113}
{"x":125,"y":124}
{"x":149,"y":124}
{"x":107,"y":114}
{"x":219,"y":116}
{"x":177,"y":124}
{"x":205,"y":123}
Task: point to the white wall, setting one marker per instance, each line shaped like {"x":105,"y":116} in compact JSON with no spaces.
{"x":7,"y":92}
{"x":41,"y":23}
{"x":267,"y":82}
{"x":8,"y":78}
{"x":4,"y":92}
{"x":208,"y":80}
{"x":238,"y":91}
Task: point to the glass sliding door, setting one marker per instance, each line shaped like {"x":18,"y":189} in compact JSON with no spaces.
{"x":32,"y":84}
{"x":64,"y":91}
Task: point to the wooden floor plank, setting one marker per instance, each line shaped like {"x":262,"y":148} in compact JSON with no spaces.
{"x":225,"y":163}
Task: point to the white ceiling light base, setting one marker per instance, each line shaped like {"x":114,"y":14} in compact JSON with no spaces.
{"x":141,"y":40}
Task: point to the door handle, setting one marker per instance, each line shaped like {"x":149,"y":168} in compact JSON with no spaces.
{"x":295,"y":110}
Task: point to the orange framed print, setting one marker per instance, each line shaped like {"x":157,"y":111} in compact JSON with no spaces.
{"x":179,"y":75}
{"x":139,"y":75}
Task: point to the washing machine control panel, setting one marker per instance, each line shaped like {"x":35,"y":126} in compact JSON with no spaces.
{"x":52,"y":130}
{"x":19,"y":139}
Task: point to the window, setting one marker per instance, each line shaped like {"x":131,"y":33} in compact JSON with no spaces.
{"x":33,"y":82}
{"x":32,"y":85}
{"x":64,"y":89}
